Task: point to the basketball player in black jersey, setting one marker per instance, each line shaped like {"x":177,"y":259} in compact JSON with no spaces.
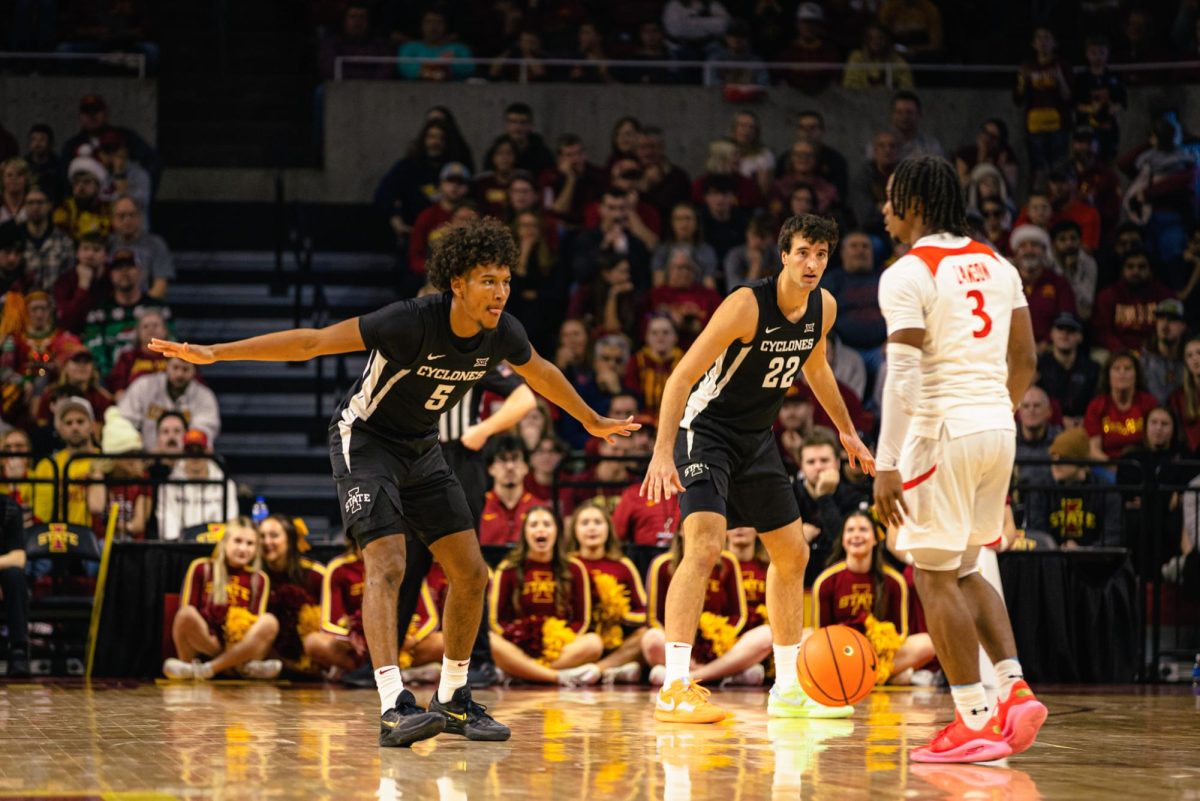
{"x":426,"y":354}
{"x":715,"y":430}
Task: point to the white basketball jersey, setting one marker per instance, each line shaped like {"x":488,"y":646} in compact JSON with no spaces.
{"x":962,"y":293}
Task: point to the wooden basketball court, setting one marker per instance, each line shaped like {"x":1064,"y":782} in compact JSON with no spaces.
{"x":261,"y":741}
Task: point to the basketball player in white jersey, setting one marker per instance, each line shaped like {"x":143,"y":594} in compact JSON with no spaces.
{"x":960,"y":356}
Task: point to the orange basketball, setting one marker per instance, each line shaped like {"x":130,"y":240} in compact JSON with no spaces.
{"x":837,"y":666}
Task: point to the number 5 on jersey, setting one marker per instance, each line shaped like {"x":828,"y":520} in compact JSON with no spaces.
{"x":439,"y":397}
{"x":778,"y":365}
{"x":978,"y":311}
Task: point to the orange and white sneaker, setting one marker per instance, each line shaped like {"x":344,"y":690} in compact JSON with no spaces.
{"x":686,"y":702}
{"x":1020,"y":717}
{"x":958,"y":742}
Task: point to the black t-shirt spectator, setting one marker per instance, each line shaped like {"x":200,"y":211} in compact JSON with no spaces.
{"x":1074,"y":388}
{"x":725,"y":236}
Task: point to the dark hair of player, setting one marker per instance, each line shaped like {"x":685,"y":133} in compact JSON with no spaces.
{"x":930,"y":184}
{"x":467,"y":246}
{"x":810,"y":228}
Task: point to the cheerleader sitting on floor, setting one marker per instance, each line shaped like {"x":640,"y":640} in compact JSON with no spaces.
{"x":295,"y":598}
{"x":722,"y":650}
{"x":340,"y":643}
{"x":618,"y":596}
{"x":540,"y":607}
{"x":860,"y":591}
{"x":223,"y":613}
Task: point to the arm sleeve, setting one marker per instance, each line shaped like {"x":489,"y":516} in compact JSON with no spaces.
{"x":514,"y":343}
{"x":396,"y":331}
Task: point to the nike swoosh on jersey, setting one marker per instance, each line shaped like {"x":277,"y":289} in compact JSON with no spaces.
{"x":433,"y":356}
{"x":773,"y":330}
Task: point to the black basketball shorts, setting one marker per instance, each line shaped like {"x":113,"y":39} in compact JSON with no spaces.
{"x":735,"y":474}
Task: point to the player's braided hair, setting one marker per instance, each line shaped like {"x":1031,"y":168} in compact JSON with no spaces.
{"x":468,"y":245}
{"x":930,"y":185}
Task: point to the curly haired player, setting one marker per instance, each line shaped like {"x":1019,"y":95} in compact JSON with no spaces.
{"x":426,"y":354}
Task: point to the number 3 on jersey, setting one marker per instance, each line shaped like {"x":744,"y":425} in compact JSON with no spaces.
{"x":439,"y":397}
{"x":978,"y":311}
{"x":778,"y":365}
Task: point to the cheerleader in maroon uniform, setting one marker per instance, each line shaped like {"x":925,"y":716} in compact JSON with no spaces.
{"x":540,"y":607}
{"x":340,"y":643}
{"x":295,"y":598}
{"x":860,"y":591}
{"x":223,"y":613}
{"x":618,"y":596}
{"x":722,"y":647}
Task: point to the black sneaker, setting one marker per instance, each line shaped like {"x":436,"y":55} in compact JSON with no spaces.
{"x":18,"y":664}
{"x":362,"y":678}
{"x":406,"y":723}
{"x":468,"y":719}
{"x":481,"y":675}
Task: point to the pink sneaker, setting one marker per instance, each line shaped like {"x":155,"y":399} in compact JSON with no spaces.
{"x":959,"y":743}
{"x":1020,"y":717}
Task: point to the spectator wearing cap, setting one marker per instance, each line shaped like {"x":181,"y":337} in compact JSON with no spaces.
{"x":437,"y":45}
{"x":74,"y":422}
{"x":507,"y":502}
{"x":877,"y":48}
{"x":182,"y":505}
{"x":48,"y":252}
{"x":15,"y":180}
{"x":133,"y":500}
{"x":155,"y":262}
{"x":85,"y":285}
{"x":454,"y":184}
{"x":93,"y":122}
{"x":112,"y":325}
{"x":573,"y":184}
{"x":78,"y":378}
{"x":1124,"y":313}
{"x":811,"y":45}
{"x":1072,"y":515}
{"x":1049,"y":294}
{"x":12,"y":252}
{"x":42,"y":348}
{"x":734,"y":46}
{"x":138,"y":360}
{"x":1075,"y":264}
{"x":85,"y":211}
{"x":1066,"y":371}
{"x":125,"y":176}
{"x":1162,"y":356}
{"x":174,"y":389}
{"x":45,"y":164}
{"x":1116,"y":417}
{"x":664,"y":185}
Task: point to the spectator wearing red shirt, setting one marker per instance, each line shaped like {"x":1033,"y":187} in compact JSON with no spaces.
{"x":649,"y":368}
{"x":1063,"y":190}
{"x":1124,"y":313}
{"x":84,"y":286}
{"x":453,"y":186}
{"x":642,"y":521}
{"x":1116,"y":417}
{"x":507,"y":502}
{"x":573,"y":184}
{"x":1049,"y":294}
{"x":682,"y":298}
{"x":137,"y":361}
{"x":1098,"y":182}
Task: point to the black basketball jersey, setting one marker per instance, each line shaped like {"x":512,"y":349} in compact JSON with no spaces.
{"x":744,"y":388}
{"x":419,"y":368}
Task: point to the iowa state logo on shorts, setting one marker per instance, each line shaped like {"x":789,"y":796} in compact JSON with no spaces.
{"x":694,"y":469}
{"x":356,"y":499}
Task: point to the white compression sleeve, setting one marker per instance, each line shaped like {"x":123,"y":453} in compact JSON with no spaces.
{"x":901,"y":389}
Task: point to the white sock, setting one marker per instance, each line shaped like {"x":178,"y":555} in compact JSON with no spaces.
{"x":1009,"y":673}
{"x":679,"y":662}
{"x":454,"y":675}
{"x":971,"y":701}
{"x":785,"y":665}
{"x":390,"y":684}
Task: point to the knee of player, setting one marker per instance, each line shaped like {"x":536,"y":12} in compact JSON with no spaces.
{"x":791,"y":559}
{"x":704,"y":549}
{"x":388,"y":569}
{"x":471,"y":575}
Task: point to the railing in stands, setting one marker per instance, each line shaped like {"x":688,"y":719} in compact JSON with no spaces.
{"x":133,"y":61}
{"x":707,"y":68}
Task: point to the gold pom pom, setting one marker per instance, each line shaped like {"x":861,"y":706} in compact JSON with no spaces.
{"x":716,"y":629}
{"x":238,"y":621}
{"x":556,"y":635}
{"x":886,"y":641}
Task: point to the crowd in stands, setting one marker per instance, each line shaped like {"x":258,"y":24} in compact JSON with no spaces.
{"x":85,"y":282}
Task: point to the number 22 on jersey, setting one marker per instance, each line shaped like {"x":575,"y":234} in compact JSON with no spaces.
{"x":781,"y":372}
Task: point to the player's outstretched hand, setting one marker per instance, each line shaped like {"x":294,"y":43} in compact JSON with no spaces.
{"x":196,"y":354}
{"x":858,"y":453}
{"x":609,"y":429}
{"x":889,"y":497}
{"x":662,"y":479}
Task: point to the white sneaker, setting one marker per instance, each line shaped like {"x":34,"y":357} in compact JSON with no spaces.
{"x":584,"y":675}
{"x":628,"y":673}
{"x":902,"y":679}
{"x":178,"y":669}
{"x":430,"y":673}
{"x":923,"y":678}
{"x":752,"y":676}
{"x":261,"y":668}
{"x":658,"y":674}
